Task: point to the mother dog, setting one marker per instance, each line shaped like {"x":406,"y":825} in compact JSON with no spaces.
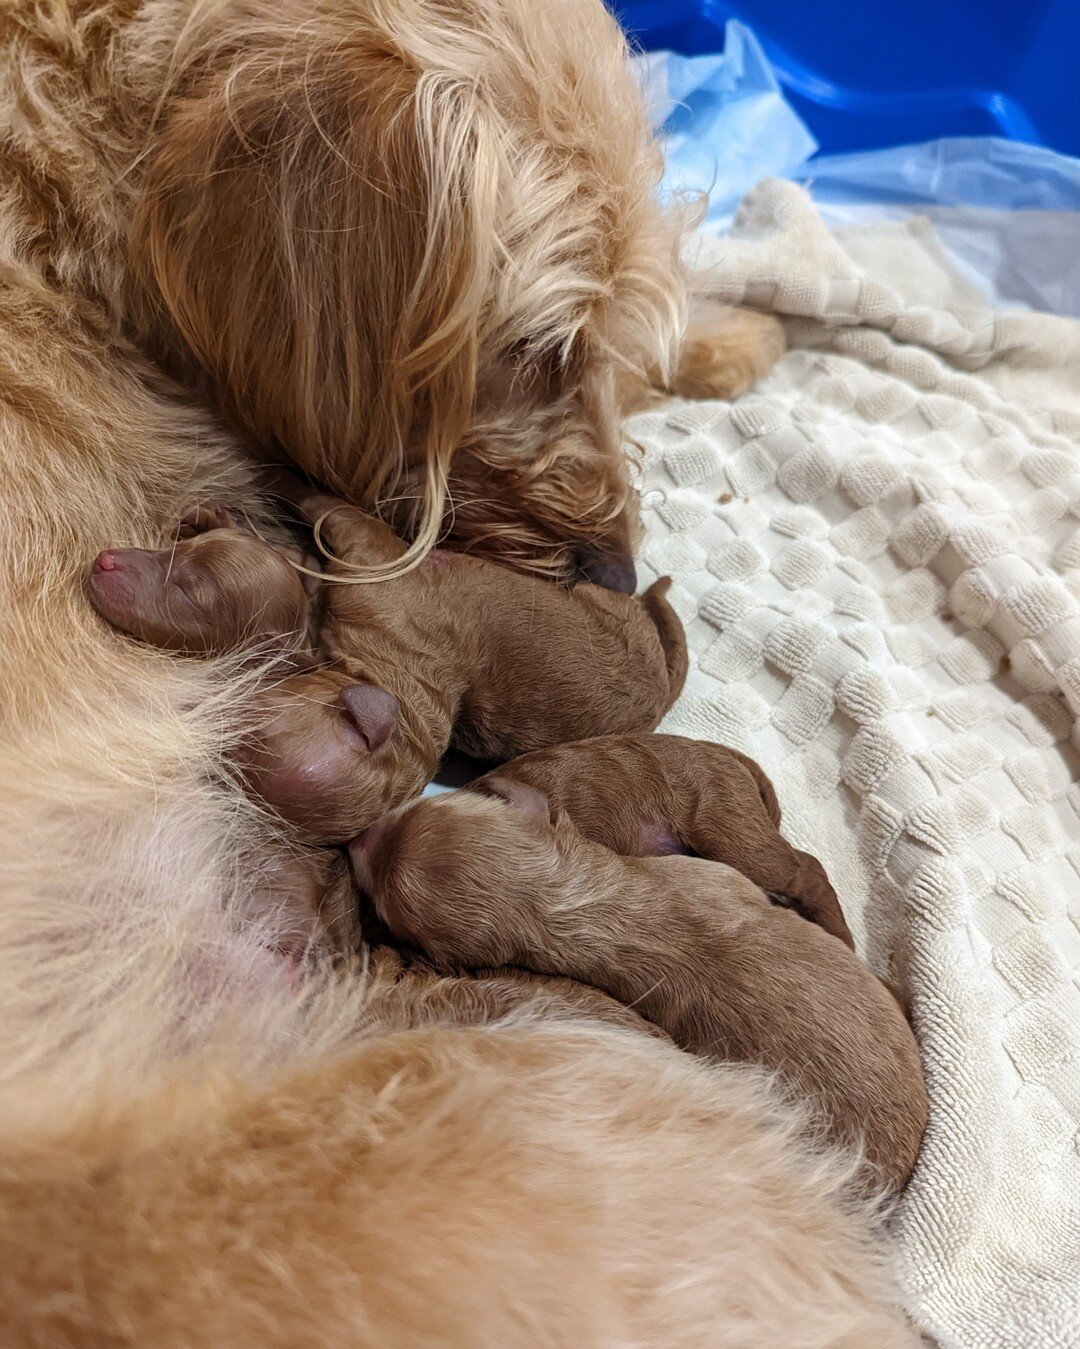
{"x":413,"y":246}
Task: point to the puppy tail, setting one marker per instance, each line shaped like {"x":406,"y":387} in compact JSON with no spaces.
{"x":672,"y":637}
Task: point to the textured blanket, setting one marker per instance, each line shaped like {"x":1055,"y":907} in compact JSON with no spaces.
{"x":877,"y":555}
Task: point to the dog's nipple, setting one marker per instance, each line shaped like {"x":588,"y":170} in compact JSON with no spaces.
{"x":106,"y":562}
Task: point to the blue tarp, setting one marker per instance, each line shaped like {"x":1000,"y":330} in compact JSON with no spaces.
{"x":1009,"y":210}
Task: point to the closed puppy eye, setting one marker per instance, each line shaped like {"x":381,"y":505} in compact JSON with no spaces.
{"x":180,"y":583}
{"x":193,"y":585}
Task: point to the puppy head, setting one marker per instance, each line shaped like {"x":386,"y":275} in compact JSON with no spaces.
{"x":328,"y":755}
{"x":217,"y":592}
{"x":437,"y":868}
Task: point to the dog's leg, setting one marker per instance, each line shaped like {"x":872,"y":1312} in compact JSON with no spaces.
{"x":725,"y":351}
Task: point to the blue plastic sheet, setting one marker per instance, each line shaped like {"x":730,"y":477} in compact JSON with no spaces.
{"x":976,"y":171}
{"x":725,"y":121}
{"x":1006,"y":212}
{"x":1007,"y":215}
{"x":898,"y":72}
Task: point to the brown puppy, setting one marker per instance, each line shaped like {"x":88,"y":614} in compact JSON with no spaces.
{"x":305,"y":905}
{"x":509,"y":662}
{"x":456,"y":650}
{"x":218,"y":589}
{"x":326,"y":751}
{"x":693,"y":945}
{"x":643,"y":795}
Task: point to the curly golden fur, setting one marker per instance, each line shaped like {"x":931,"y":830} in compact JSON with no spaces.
{"x":200,"y":1143}
{"x":450,"y":221}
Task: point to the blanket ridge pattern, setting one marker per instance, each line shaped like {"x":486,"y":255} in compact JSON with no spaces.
{"x":877,"y":556}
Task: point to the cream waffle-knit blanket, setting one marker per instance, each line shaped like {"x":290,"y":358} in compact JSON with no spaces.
{"x":877,"y":555}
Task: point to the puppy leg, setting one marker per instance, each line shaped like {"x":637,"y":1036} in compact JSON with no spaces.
{"x":348,"y":534}
{"x":774,"y":865}
{"x":749,"y":841}
{"x":766,"y":790}
{"x":407,"y":992}
{"x":672,"y":635}
{"x":201,"y":519}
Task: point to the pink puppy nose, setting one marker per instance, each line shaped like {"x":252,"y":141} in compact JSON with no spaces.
{"x":106,"y":562}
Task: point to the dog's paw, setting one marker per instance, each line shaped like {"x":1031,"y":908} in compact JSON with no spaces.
{"x":723,"y":355}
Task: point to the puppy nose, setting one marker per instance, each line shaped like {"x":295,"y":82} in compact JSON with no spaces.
{"x":613,"y":571}
{"x":106,"y":561}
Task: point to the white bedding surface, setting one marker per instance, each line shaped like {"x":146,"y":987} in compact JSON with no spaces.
{"x":877,"y":556}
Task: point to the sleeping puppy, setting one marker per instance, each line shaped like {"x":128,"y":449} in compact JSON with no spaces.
{"x":463,"y":651}
{"x":643,"y":795}
{"x":505,"y":662}
{"x":691,"y":944}
{"x":325,"y":752}
{"x":220,"y":588}
{"x":304,"y":905}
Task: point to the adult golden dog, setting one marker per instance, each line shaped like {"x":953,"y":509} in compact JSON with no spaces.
{"x":409,"y":245}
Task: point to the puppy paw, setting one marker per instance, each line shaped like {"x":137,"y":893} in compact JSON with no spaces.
{"x":723,"y":355}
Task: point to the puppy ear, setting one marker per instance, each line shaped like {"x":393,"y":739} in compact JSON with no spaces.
{"x":202,"y":519}
{"x":528,"y":801}
{"x":373,"y":712}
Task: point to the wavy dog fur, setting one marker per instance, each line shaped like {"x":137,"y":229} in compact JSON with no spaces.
{"x":426,"y":1188}
{"x":416,"y":244}
{"x":193,"y":1144}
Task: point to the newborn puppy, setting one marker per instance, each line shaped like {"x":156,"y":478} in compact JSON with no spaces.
{"x":496,"y":661}
{"x":458,"y":650}
{"x":655,"y":794}
{"x":692,"y":945}
{"x":327,"y":755}
{"x":305,"y":906}
{"x":220,"y":588}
